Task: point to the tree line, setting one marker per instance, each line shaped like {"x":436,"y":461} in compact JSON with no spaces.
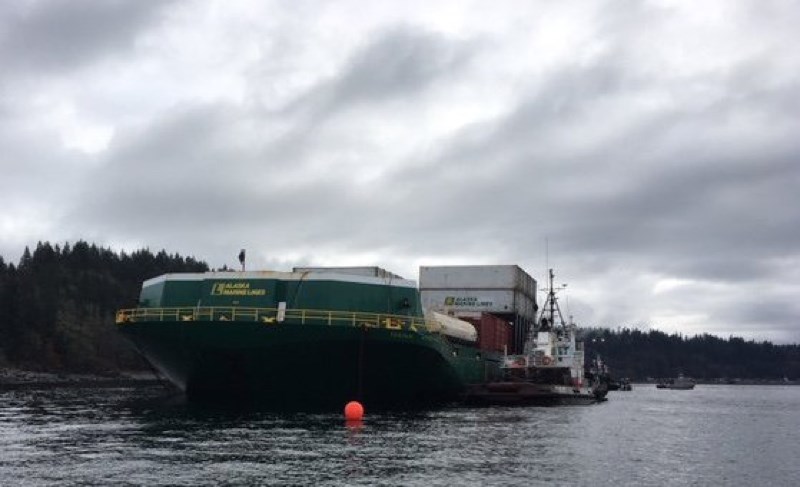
{"x":57,"y":305}
{"x":654,"y":354}
{"x":57,"y":308}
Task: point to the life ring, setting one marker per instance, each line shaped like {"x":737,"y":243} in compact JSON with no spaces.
{"x":546,"y":360}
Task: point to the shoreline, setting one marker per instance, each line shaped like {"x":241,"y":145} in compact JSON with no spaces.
{"x":14,"y":379}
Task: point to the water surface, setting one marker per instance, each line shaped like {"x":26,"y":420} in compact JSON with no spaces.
{"x":713,"y":435}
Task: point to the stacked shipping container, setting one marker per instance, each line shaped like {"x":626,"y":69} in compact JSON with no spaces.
{"x":505,"y":291}
{"x":493,"y":331}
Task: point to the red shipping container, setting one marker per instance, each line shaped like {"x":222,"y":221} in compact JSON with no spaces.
{"x":493,"y":331}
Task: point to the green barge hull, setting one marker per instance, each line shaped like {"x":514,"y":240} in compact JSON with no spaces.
{"x":301,"y":341}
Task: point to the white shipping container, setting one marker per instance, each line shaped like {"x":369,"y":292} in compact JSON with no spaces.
{"x":353,"y":271}
{"x":477,"y":277}
{"x":498,"y":301}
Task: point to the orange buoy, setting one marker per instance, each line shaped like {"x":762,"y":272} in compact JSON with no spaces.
{"x":353,"y":411}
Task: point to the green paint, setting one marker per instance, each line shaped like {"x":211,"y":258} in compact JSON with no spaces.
{"x":224,"y":342}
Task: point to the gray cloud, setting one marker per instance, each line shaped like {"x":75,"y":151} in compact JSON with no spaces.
{"x":53,"y":35}
{"x":400,"y":63}
{"x":657,"y":149}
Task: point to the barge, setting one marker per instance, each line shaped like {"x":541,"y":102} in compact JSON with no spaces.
{"x":309,"y":339}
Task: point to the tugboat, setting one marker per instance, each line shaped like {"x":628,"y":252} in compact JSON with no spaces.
{"x":549,"y":372}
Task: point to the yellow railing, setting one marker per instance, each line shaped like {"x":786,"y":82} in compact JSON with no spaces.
{"x":272,"y":316}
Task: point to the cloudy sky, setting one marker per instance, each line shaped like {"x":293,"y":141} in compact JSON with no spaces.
{"x":648,"y":150}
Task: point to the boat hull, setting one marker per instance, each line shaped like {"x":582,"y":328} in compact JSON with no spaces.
{"x":310,"y":367}
{"x":530,"y":394}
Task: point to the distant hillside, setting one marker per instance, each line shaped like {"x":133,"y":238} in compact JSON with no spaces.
{"x":639,"y":355}
{"x":57,"y":305}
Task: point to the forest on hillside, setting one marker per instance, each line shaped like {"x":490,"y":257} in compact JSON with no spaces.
{"x":57,"y":305}
{"x":57,"y":308}
{"x":639,"y":355}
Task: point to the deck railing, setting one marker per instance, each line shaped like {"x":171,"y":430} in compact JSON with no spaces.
{"x":274,"y":316}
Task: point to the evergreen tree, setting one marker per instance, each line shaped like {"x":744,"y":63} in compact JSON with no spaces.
{"x":57,"y":307}
{"x":640,"y":355}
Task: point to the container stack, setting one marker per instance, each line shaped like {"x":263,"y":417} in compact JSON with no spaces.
{"x":369,"y":271}
{"x":496,"y":299}
{"x":493,"y":332}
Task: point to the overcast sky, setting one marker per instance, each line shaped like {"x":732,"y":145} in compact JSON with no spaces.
{"x":648,"y":150}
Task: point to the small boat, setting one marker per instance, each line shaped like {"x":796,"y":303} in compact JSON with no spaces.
{"x":680,"y":382}
{"x":550,"y":371}
{"x":624,"y":385}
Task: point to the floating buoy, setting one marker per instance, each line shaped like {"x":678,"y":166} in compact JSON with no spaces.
{"x":353,"y":411}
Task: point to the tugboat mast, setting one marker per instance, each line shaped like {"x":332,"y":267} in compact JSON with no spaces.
{"x":551,"y":308}
{"x":547,"y":319}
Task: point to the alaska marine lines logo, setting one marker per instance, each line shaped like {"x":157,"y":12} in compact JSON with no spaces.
{"x":235,"y":289}
{"x":467,"y":301}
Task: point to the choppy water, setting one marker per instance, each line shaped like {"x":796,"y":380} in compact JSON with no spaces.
{"x":714,"y":435}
